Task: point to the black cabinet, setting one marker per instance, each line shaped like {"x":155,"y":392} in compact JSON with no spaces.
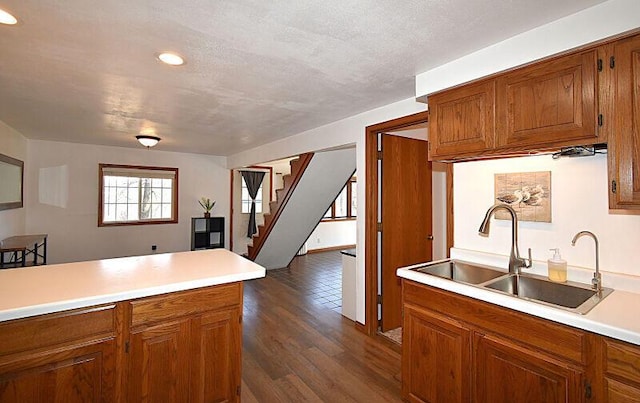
{"x":207,"y":233}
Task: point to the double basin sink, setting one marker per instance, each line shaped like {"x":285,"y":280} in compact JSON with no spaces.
{"x":570,"y":296}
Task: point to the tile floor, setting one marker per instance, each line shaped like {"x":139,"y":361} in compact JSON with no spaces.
{"x":317,"y":276}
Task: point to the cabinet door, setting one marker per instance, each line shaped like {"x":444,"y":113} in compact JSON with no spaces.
{"x":551,"y":103}
{"x":619,"y":392}
{"x":217,"y":342}
{"x":75,"y":374}
{"x":461,"y":121}
{"x":159,"y":360}
{"x":508,"y":373}
{"x":624,"y":145}
{"x":436,"y":355}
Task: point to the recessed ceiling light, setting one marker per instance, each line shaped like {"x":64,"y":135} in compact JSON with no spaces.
{"x":6,"y":18}
{"x":171,"y":59}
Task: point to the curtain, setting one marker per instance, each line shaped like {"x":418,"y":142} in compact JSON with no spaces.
{"x":253,"y":179}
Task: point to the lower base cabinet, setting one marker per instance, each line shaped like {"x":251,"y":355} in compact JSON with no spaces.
{"x":459,"y":349}
{"x":177,"y":347}
{"x":442,"y":373}
{"x":621,"y":363}
{"x":506,"y":372}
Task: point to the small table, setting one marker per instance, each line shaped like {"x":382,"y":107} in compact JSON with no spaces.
{"x":22,"y":246}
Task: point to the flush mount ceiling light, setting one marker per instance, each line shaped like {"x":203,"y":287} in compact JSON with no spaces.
{"x":148,"y":141}
{"x":7,"y":19}
{"x":172,"y":59}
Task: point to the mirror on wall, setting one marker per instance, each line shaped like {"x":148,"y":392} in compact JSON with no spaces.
{"x":11,"y":180}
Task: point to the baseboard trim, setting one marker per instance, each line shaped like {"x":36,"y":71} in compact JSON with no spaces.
{"x":341,"y":247}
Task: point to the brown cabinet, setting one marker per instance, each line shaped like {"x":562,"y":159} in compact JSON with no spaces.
{"x":507,"y":372}
{"x":442,"y":372}
{"x":621,"y":362}
{"x":549,"y":103}
{"x":461,"y":120}
{"x":624,"y":142}
{"x":177,"y":347}
{"x":185,"y":347}
{"x":66,"y":357}
{"x":457,"y":349}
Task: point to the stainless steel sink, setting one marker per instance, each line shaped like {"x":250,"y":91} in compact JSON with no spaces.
{"x":460,"y":271}
{"x":570,"y":296}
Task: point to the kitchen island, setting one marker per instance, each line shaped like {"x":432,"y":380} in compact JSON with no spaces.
{"x":163,"y":327}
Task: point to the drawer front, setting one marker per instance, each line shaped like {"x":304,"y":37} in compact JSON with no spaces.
{"x":622,"y":359}
{"x":147,"y":311}
{"x":547,"y":336}
{"x":40,"y":332}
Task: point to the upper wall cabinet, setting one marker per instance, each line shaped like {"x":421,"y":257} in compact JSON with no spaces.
{"x":624,"y":141}
{"x":551,"y":103}
{"x":463,"y":119}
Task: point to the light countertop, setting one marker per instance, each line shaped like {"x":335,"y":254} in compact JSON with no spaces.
{"x":616,"y":316}
{"x":40,"y":290}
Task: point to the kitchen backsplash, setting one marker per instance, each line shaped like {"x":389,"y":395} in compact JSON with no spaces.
{"x":578,"y":202}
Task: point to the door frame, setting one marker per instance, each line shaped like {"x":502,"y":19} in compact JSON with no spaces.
{"x":371,"y":211}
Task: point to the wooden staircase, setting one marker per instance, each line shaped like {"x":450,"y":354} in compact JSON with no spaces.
{"x":298,"y":166}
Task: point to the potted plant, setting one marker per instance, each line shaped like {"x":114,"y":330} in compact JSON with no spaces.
{"x":207,"y":204}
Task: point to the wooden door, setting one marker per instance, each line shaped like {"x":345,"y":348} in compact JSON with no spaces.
{"x":217,"y":342}
{"x":508,"y":373}
{"x":624,"y":145}
{"x":548,"y":103}
{"x":406,"y":217}
{"x":159,"y":363}
{"x":461,"y":120}
{"x":436,"y":354}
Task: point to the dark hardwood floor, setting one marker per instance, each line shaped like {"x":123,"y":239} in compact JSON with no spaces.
{"x":297,"y":348}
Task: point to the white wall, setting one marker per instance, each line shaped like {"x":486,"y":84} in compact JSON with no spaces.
{"x":600,"y":21}
{"x":13,"y":144}
{"x":329,"y":234}
{"x":346,"y":131}
{"x":579,"y":202}
{"x":72,"y":225}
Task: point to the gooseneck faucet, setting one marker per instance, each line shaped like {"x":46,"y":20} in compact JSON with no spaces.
{"x":515,"y":261}
{"x":596,"y":281}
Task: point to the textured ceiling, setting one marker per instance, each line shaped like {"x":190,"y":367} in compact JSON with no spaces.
{"x":84,"y":70}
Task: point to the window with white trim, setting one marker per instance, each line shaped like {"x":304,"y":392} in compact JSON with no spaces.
{"x":246,"y":199}
{"x":137,"y":195}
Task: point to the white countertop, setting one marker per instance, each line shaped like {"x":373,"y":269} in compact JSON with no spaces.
{"x":40,"y":290}
{"x":616,"y":316}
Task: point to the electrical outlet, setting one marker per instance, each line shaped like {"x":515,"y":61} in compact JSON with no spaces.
{"x":154,"y":247}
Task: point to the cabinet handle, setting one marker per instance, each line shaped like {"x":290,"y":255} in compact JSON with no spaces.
{"x":587,"y":390}
{"x":429,"y":237}
{"x":614,"y":186}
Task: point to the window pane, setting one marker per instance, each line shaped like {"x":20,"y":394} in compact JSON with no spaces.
{"x":354,"y":205}
{"x":132,"y":212}
{"x":341,"y":203}
{"x":328,"y":213}
{"x":166,"y":195}
{"x":156,"y":183}
{"x":132,"y":197}
{"x":166,"y":210}
{"x":122,"y":181}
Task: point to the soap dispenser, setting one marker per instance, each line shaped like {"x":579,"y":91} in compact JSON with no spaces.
{"x":557,"y":267}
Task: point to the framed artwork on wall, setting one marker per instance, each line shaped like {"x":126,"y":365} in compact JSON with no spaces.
{"x":529,"y":193}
